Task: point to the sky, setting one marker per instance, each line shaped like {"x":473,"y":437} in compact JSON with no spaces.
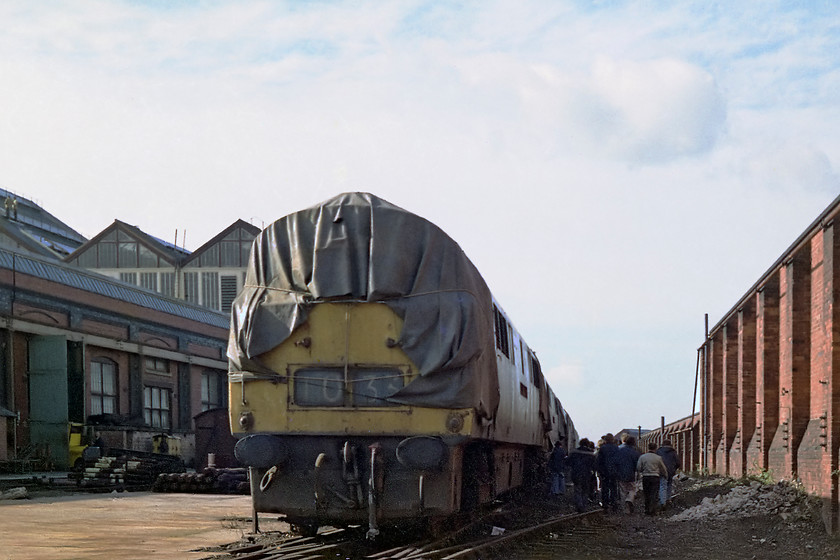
{"x":615,"y":169}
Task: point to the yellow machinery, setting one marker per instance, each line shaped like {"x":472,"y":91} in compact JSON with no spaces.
{"x":166,"y":444}
{"x":79,"y":438}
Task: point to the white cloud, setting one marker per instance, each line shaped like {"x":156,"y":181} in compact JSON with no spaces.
{"x":790,"y":167}
{"x":652,"y":112}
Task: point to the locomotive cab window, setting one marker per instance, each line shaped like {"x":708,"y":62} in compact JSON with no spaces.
{"x":501,"y":328}
{"x":362,"y":387}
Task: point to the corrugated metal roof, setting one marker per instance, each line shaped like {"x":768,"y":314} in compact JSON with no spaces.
{"x":102,"y":285}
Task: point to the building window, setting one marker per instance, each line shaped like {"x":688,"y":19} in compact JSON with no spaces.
{"x":210,"y":289}
{"x":107,"y":255}
{"x":229,"y":291}
{"x":148,"y":259}
{"x":103,"y":387}
{"x":167,"y":284}
{"x":158,"y":366}
{"x":156,"y":407}
{"x":211,"y":390}
{"x":210,"y":257}
{"x":148,"y":280}
{"x":191,"y":287}
{"x":88,"y":259}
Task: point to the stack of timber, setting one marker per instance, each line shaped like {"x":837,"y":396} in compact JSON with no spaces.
{"x":207,"y":481}
{"x":128,"y":470}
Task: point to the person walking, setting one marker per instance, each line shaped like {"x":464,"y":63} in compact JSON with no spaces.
{"x":557,"y":468}
{"x":628,"y":457}
{"x":607,"y":465}
{"x":652,"y":469}
{"x":672,"y":462}
{"x":581,"y":462}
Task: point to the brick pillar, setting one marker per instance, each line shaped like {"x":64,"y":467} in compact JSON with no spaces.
{"x":794,"y":364}
{"x":832,"y":517}
{"x":746,"y":389}
{"x":695,"y":444}
{"x":713,"y":407}
{"x":767,"y":374}
{"x":817,"y":454}
{"x":729,"y":404}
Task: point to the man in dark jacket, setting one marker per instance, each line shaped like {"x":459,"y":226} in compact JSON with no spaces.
{"x":672,"y":463}
{"x":628,"y":457}
{"x":557,"y":467}
{"x":581,"y":463}
{"x":607,"y":465}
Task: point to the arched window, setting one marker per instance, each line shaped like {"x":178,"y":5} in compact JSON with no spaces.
{"x":103,"y":386}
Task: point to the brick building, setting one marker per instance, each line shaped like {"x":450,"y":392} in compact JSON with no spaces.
{"x":76,"y":346}
{"x":770,"y":399}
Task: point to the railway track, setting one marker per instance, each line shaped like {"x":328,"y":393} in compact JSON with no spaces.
{"x":287,"y":547}
{"x":479,"y":539}
{"x":558,"y":529}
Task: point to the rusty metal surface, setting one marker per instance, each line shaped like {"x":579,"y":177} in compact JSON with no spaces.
{"x":123,"y":526}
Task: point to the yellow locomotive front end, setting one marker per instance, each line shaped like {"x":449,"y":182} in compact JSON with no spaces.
{"x":326,"y":444}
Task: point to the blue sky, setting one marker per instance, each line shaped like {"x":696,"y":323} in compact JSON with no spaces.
{"x":614,"y":169}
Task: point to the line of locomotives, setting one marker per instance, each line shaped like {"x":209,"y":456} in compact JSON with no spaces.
{"x":373,"y":377}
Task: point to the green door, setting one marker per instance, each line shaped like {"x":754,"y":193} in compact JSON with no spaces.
{"x":48,"y":409}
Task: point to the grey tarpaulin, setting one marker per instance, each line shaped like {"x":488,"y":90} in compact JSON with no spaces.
{"x":358,"y":247}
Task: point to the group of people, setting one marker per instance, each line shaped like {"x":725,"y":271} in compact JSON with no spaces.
{"x":616,"y":471}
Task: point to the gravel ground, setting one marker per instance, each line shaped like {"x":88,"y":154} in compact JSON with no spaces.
{"x":717,"y":519}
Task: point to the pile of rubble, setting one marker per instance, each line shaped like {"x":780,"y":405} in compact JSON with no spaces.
{"x":748,"y":500}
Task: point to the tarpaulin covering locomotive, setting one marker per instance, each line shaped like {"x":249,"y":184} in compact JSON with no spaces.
{"x":373,"y":377}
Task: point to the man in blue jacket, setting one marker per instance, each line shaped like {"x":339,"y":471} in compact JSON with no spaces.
{"x":628,"y":457}
{"x":606,"y":463}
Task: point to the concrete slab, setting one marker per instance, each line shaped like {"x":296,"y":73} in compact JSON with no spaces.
{"x":121,"y":526}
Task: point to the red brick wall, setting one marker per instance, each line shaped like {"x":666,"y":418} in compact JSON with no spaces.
{"x":746,"y":379}
{"x":767,"y":375}
{"x":714,"y":394}
{"x":815,"y":458}
{"x":107,"y":330}
{"x":21,"y":385}
{"x":786,"y":380}
{"x":207,"y":352}
{"x":150,"y":339}
{"x":794,"y":364}
{"x":730,"y":394}
{"x":49,"y":317}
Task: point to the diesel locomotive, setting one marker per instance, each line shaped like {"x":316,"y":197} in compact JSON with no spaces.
{"x":373,"y":377}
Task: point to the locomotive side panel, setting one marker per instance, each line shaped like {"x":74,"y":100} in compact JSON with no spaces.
{"x":517,"y":418}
